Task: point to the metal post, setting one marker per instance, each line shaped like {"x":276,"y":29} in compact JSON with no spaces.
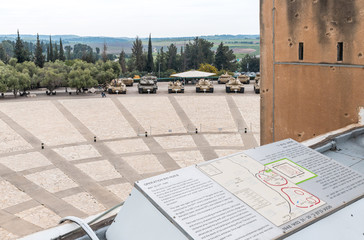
{"x":94,"y":138}
{"x":196,"y":131}
{"x":246,"y":130}
{"x":146,"y":134}
{"x":42,"y":145}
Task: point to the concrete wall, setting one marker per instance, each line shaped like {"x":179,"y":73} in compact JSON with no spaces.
{"x":301,"y":99}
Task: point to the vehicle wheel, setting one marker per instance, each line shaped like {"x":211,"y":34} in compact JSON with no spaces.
{"x":241,"y":90}
{"x":197,"y":89}
{"x":132,"y":84}
{"x":218,"y":82}
{"x":211,"y":90}
{"x":109,"y":91}
{"x":169,"y":90}
{"x":227,"y":89}
{"x":124,"y":92}
{"x":140,"y":91}
{"x":182,"y":90}
{"x":257,"y":91}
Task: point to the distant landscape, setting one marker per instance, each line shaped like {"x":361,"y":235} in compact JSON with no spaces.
{"x":240,"y":44}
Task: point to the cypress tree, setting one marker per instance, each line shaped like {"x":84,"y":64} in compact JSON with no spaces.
{"x":61,"y":51}
{"x":39,"y":58}
{"x":19,"y":50}
{"x":122,"y":61}
{"x":48,"y":59}
{"x":55,"y":55}
{"x":51,"y":56}
{"x":104,"y":53}
{"x":150,"y":56}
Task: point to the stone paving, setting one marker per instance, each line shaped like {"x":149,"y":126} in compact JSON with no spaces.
{"x":73,"y":175}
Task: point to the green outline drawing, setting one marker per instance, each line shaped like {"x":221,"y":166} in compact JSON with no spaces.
{"x":315,"y":175}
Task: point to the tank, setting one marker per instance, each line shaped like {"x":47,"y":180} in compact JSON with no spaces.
{"x":176,"y":87}
{"x":257,"y":84}
{"x":148,"y":84}
{"x":224,"y":78}
{"x":204,"y":85}
{"x":128,"y":81}
{"x":234,"y":85}
{"x":116,"y":86}
{"x":244,"y":79}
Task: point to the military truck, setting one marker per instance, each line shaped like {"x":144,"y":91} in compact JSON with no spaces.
{"x":128,"y":81}
{"x":224,"y":78}
{"x":257,"y":84}
{"x":244,"y":79}
{"x":234,"y":85}
{"x":204,"y":85}
{"x":148,"y":84}
{"x":116,"y":86}
{"x":176,"y":87}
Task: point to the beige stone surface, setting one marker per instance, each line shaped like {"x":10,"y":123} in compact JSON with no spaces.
{"x":170,"y":142}
{"x":85,"y":202}
{"x":10,"y":141}
{"x":156,"y":112}
{"x":10,"y":195}
{"x":77,"y":152}
{"x":145,"y":163}
{"x":233,"y":139}
{"x":99,"y":170}
{"x":53,"y":180}
{"x":209,"y":112}
{"x":5,"y":235}
{"x":25,"y":161}
{"x":43,"y":120}
{"x":187,"y":158}
{"x":127,"y":146}
{"x":226,"y":152}
{"x":101,"y":116}
{"x":121,"y":190}
{"x":249,"y":107}
{"x":40,"y":216}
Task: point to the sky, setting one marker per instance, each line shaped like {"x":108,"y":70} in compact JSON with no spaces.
{"x":121,"y":18}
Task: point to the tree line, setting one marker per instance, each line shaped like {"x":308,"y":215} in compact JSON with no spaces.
{"x":26,"y":65}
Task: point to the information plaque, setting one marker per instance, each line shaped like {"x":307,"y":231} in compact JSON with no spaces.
{"x":261,"y":193}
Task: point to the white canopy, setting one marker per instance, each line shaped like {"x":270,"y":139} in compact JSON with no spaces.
{"x":193,"y":74}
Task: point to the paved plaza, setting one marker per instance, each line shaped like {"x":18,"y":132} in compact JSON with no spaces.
{"x":73,"y":175}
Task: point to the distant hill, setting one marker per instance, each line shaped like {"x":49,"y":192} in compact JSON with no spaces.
{"x":115,"y":45}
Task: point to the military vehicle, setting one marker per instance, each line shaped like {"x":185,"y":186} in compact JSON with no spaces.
{"x":234,"y":85}
{"x":257,"y":84}
{"x":176,"y":87}
{"x":244,"y":79}
{"x":148,"y":84}
{"x":224,"y":78}
{"x":116,"y":86}
{"x":128,"y":81}
{"x":204,"y":85}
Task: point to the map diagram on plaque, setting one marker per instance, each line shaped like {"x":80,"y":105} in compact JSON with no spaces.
{"x":264,"y":188}
{"x":294,"y":172}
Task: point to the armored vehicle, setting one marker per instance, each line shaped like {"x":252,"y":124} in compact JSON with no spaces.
{"x":257,"y":84}
{"x":224,"y":78}
{"x":176,"y":87}
{"x":128,"y":81}
{"x":234,"y":85}
{"x":244,"y":79}
{"x":148,"y":84}
{"x":116,"y":86}
{"x":204,"y":85}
